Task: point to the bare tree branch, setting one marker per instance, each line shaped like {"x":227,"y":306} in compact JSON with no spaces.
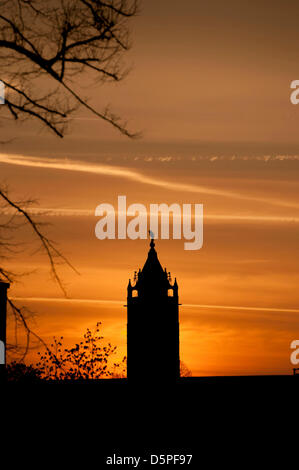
{"x":54,"y":42}
{"x":22,"y":314}
{"x":46,"y":244}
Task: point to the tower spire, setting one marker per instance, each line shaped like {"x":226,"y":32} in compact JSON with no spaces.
{"x":152,"y":236}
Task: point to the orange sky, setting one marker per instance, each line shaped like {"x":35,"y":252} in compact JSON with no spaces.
{"x":210,"y":88}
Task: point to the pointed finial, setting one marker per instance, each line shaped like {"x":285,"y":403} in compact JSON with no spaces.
{"x":152,"y":236}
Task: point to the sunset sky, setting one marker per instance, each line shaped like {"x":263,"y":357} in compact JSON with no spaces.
{"x":209,"y":88}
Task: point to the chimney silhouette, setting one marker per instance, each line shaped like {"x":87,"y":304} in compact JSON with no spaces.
{"x":153,"y":324}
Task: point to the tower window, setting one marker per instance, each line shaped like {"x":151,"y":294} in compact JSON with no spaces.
{"x":170,"y":292}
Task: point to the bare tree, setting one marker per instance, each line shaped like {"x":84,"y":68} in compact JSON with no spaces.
{"x":14,"y":215}
{"x":47,"y":46}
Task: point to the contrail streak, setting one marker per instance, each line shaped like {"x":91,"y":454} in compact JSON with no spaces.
{"x":121,"y":302}
{"x":64,"y":212}
{"x":132,"y":175}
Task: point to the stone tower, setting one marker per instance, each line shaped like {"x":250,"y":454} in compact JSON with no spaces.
{"x":153,"y":324}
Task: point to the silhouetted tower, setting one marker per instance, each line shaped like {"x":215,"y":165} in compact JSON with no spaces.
{"x":153,"y":323}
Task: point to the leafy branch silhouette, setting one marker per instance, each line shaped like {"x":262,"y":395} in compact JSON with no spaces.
{"x":88,"y":359}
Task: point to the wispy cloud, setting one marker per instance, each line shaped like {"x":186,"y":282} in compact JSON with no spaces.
{"x":133,"y":175}
{"x":121,"y":303}
{"x":231,"y":218}
{"x":67,"y":300}
{"x":252,"y":309}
